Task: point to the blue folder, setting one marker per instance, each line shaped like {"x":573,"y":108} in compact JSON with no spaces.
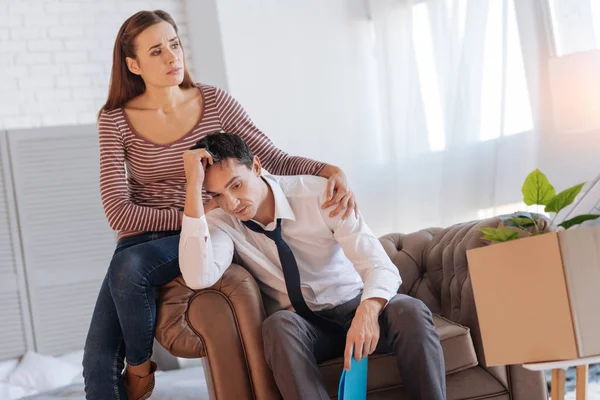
{"x":353,"y":383}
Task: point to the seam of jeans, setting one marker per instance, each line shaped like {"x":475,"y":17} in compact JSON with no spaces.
{"x":150,"y":337}
{"x":147,"y":351}
{"x":150,"y":327}
{"x":115,"y":372}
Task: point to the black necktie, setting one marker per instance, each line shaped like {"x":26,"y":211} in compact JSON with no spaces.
{"x":292,"y":278}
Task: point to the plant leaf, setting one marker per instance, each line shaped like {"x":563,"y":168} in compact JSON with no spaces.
{"x":578,"y":220}
{"x":498,"y":234}
{"x":537,"y":189}
{"x":563,"y":199}
{"x":522,"y":222}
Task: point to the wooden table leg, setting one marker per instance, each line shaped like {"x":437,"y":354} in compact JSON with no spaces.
{"x":558,"y":384}
{"x":582,"y":382}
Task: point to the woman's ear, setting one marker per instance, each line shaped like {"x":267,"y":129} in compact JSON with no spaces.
{"x":133,"y":66}
{"x":256,"y":165}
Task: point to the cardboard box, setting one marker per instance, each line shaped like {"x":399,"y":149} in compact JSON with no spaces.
{"x":538,"y":298}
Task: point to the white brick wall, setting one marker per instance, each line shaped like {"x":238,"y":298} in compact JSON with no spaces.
{"x":56,"y":55}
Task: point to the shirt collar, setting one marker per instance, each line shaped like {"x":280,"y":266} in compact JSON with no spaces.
{"x":283,"y":210}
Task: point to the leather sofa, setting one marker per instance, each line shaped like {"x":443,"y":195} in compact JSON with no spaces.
{"x":222,"y":324}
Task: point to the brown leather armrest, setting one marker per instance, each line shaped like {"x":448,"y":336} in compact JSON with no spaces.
{"x":222,"y":323}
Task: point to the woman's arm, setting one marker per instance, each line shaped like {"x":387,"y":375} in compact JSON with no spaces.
{"x":234,"y":119}
{"x":121,"y":212}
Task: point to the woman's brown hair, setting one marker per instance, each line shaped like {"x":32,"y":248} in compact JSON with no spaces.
{"x":125,"y":85}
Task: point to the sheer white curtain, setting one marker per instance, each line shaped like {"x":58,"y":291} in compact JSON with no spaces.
{"x":455,"y":107}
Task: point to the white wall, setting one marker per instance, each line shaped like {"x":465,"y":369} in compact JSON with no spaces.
{"x":305,"y":72}
{"x":206,"y":43}
{"x":56,"y":57}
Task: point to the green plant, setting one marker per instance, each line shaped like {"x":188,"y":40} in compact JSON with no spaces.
{"x":537,"y":190}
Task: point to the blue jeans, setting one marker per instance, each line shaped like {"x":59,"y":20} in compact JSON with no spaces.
{"x":124,"y":318}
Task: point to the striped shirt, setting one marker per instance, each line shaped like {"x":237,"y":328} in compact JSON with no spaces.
{"x":142,"y":184}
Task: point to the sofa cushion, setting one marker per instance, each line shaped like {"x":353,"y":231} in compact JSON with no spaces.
{"x":459,"y":354}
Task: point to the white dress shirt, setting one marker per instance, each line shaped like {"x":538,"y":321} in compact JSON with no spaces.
{"x":337,"y":259}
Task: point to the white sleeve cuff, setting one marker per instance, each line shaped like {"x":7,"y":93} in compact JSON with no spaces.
{"x":377,"y":293}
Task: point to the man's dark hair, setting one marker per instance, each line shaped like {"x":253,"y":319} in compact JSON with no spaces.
{"x":222,"y":145}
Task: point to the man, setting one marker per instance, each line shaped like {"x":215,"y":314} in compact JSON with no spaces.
{"x":329,"y":287}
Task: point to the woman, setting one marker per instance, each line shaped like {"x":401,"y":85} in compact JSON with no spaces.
{"x":153,"y":113}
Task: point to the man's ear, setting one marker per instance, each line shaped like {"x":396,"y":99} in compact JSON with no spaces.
{"x":256,"y":167}
{"x":133,"y":66}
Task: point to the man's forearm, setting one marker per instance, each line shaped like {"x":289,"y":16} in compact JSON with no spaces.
{"x":194,"y":207}
{"x":373,"y":305}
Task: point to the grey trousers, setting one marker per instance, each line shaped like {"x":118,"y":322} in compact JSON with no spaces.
{"x":295,"y":347}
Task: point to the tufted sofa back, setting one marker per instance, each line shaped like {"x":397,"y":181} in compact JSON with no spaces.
{"x":433,"y":266}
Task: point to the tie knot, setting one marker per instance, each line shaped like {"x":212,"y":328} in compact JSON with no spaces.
{"x":273,"y":235}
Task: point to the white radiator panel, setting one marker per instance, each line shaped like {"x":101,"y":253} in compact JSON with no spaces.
{"x":67,"y":243}
{"x":15,"y":322}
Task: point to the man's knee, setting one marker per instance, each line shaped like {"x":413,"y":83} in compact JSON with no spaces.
{"x":280,"y":325}
{"x":280,"y":330}
{"x":409,"y":316}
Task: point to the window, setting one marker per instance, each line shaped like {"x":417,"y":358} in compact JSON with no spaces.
{"x":504,"y":104}
{"x":428,"y":79}
{"x":575,"y":25}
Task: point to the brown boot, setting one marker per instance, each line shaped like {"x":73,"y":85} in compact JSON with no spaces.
{"x":140,"y":388}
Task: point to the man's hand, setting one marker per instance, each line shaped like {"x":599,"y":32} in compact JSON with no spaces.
{"x":194,"y":163}
{"x":363,"y":334}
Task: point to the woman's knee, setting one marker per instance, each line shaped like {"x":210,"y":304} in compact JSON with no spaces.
{"x":127,"y":269}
